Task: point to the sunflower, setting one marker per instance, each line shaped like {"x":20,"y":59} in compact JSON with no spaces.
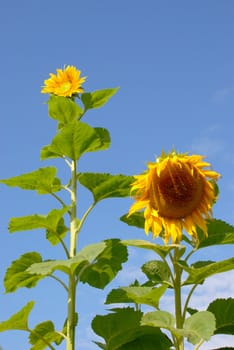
{"x":66,"y":83}
{"x":176,"y":192}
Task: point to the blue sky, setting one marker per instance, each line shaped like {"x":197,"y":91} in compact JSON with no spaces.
{"x":173,"y":61}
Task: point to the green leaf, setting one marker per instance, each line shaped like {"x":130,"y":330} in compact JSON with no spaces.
{"x":136,"y":219}
{"x":156,"y":340}
{"x":97,"y":98}
{"x":107,"y":264}
{"x":42,"y":335}
{"x":106,"y":185}
{"x":63,"y":109}
{"x":53,"y":223}
{"x":191,"y":311}
{"x":223,"y":310}
{"x":138,"y":295}
{"x":140,"y":243}
{"x":17,"y":276}
{"x":101,"y":345}
{"x":161,"y":319}
{"x":42,"y":180}
{"x":200,"y":326}
{"x":85,"y":257}
{"x":226,"y":348}
{"x":104,"y":137}
{"x":219,"y":232}
{"x":202,"y":263}
{"x":18,"y":321}
{"x":198,"y":275}
{"x":122,"y":331}
{"x":156,"y":271}
{"x":76,"y":139}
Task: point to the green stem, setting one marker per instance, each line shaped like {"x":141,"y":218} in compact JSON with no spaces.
{"x":58,"y":199}
{"x":71,"y":311}
{"x":60,"y":281}
{"x":187,"y":301}
{"x":178,"y":304}
{"x":199,"y":344}
{"x":85,"y":216}
{"x":42,"y":338}
{"x":190,"y":254}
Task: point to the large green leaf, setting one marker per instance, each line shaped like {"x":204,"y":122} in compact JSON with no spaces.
{"x":42,"y":180}
{"x":53,"y":223}
{"x":223,"y":309}
{"x":106,"y":185}
{"x":156,"y":271}
{"x":198,"y":275}
{"x":140,"y":243}
{"x":97,"y":98}
{"x":85,"y":257}
{"x":156,"y":340}
{"x":107,"y":264}
{"x":219,"y":232}
{"x":138,"y":295}
{"x":18,"y":321}
{"x":42,"y":335}
{"x":63,"y":109}
{"x":17,"y":276}
{"x":122,"y":331}
{"x":200,"y":326}
{"x":75,"y":139}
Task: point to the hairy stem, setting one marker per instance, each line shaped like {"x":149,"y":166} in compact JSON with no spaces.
{"x":71,"y":311}
{"x":177,"y":294}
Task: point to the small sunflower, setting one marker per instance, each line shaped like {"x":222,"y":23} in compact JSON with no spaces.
{"x":177,"y":192}
{"x":66,"y":83}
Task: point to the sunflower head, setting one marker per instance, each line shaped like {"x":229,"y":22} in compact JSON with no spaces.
{"x":176,"y":192}
{"x":66,"y":83}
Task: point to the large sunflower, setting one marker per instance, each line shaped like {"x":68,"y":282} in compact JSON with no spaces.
{"x":177,"y":192}
{"x":67,"y":82}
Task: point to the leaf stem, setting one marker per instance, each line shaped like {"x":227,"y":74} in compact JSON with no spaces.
{"x":42,"y":338}
{"x":85,"y":216}
{"x":199,"y":344}
{"x":60,"y":281}
{"x":187,"y":301}
{"x":58,"y":199}
{"x":64,"y":246}
{"x":190,"y":254}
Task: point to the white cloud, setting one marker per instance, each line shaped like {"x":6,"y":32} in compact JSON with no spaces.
{"x":218,"y":341}
{"x":129,"y":274}
{"x":218,"y":286}
{"x":221,"y":95}
{"x":208,"y":145}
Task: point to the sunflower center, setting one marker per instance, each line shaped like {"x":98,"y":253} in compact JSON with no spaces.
{"x":177,"y":191}
{"x":64,"y":87}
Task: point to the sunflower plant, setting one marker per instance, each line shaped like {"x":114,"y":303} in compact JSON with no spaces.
{"x":173,"y":200}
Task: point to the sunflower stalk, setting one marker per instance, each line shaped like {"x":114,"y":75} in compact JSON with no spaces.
{"x":177,"y":294}
{"x":71,"y":310}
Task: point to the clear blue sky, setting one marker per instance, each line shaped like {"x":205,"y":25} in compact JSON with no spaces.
{"x":174,"y":63}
